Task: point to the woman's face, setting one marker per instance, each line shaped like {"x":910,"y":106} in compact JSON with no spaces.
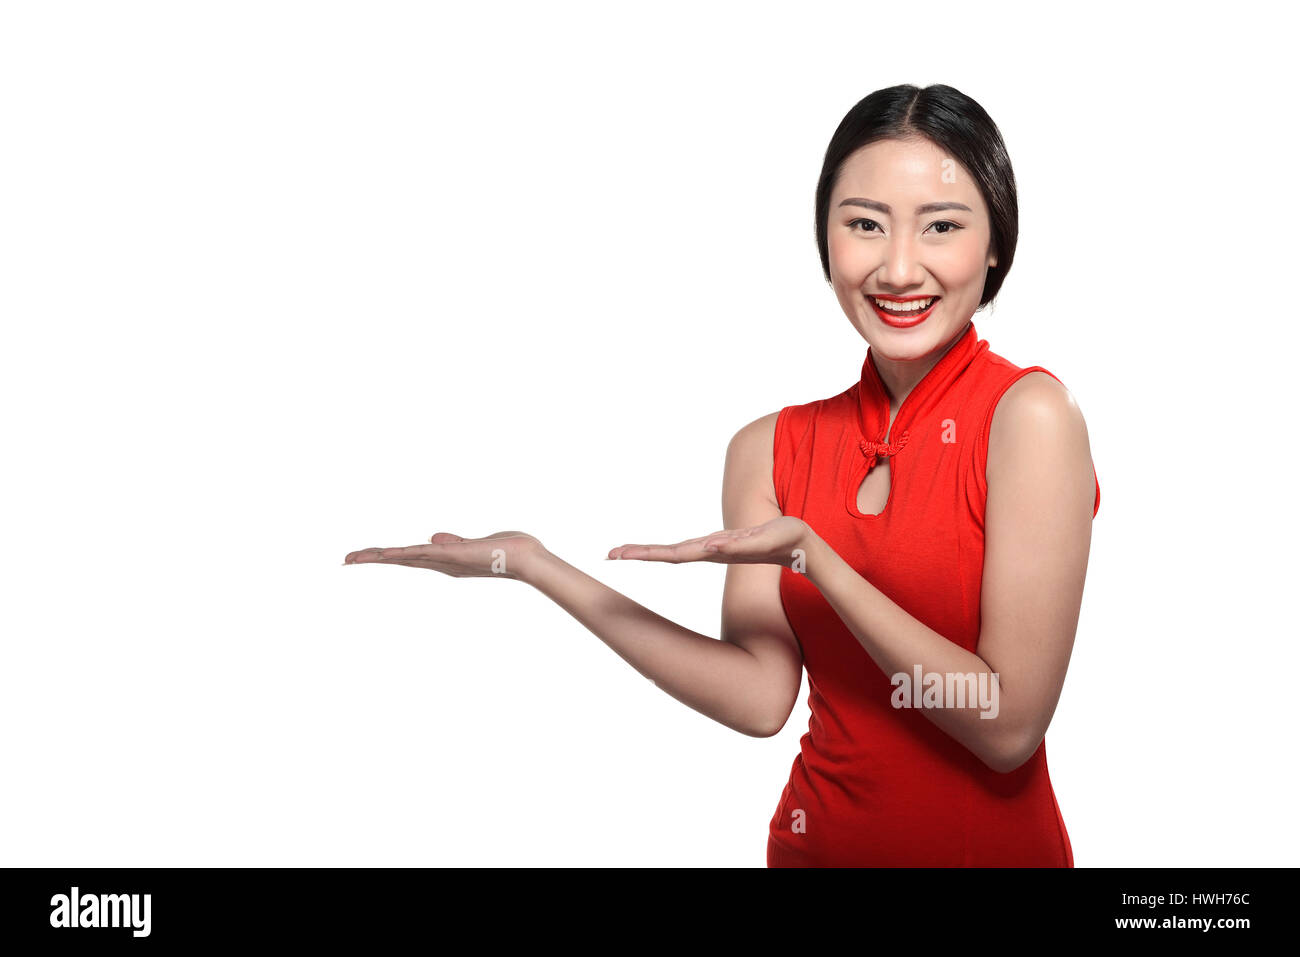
{"x":908,"y":221}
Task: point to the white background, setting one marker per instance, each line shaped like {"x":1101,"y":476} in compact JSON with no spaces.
{"x":285,"y":280}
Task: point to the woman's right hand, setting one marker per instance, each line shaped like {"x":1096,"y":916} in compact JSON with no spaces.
{"x":500,"y":555}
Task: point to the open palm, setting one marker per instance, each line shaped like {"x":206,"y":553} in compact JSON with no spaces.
{"x":499,"y":555}
{"x":777,"y":542}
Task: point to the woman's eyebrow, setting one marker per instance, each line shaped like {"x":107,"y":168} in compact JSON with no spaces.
{"x":884,"y":207}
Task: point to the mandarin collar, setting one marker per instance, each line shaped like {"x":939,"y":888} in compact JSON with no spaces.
{"x":873,"y":399}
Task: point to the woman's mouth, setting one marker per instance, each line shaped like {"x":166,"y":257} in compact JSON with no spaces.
{"x":902,"y":312}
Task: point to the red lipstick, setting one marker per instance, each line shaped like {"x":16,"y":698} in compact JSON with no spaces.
{"x":902,"y":320}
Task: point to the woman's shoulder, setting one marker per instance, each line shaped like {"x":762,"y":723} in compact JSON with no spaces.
{"x":769,"y":442}
{"x":1036,"y":424}
{"x":1038,"y":384}
{"x":754,"y":438}
{"x":788,"y":423}
{"x":1034,"y":395}
{"x":1012,"y":392}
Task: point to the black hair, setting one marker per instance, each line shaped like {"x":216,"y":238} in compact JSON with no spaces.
{"x":957,"y":125}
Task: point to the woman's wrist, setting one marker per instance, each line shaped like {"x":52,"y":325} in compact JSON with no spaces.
{"x":818,"y":558}
{"x":536,"y":565}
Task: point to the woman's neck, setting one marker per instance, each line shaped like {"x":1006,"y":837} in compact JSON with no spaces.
{"x":900,"y":376}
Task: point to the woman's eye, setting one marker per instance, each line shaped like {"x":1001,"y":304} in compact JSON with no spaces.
{"x":942,"y":228}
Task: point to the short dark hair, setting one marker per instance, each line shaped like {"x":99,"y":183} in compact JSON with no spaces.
{"x":957,"y":125}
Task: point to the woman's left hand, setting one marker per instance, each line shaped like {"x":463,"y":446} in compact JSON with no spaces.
{"x":782,"y":541}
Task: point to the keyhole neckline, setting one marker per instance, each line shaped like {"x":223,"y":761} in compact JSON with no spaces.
{"x":877,"y":437}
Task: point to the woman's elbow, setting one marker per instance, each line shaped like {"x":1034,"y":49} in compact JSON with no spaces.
{"x":1009,"y":751}
{"x":770,"y":727}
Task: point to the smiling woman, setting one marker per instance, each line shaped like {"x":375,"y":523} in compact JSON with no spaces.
{"x":960,"y":548}
{"x":920,"y":534}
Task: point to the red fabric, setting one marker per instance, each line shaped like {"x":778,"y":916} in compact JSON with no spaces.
{"x":875,"y":785}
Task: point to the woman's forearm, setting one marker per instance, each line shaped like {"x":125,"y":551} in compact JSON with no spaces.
{"x":716,"y":678}
{"x":899,"y":643}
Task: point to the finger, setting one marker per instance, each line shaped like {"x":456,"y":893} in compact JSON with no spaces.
{"x":730,"y":535}
{"x":690,"y":550}
{"x":447,"y":538}
{"x":631,"y":551}
{"x":408,"y":553}
{"x":644,"y":553}
{"x":365,"y":555}
{"x":618,"y":552}
{"x":389,"y":554}
{"x":450,"y":569}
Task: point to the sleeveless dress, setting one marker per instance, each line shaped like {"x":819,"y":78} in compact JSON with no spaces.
{"x":875,"y":785}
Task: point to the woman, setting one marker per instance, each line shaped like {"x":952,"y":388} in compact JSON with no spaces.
{"x":919,"y":541}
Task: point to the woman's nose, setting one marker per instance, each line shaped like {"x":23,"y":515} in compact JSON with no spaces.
{"x":901,"y":267}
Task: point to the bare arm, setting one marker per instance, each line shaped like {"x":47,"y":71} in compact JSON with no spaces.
{"x":749,"y":679}
{"x":1038,"y":530}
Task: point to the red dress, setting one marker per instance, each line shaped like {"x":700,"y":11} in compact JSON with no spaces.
{"x":875,"y":785}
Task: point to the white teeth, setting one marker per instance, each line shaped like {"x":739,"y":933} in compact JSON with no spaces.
{"x":903,"y":307}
